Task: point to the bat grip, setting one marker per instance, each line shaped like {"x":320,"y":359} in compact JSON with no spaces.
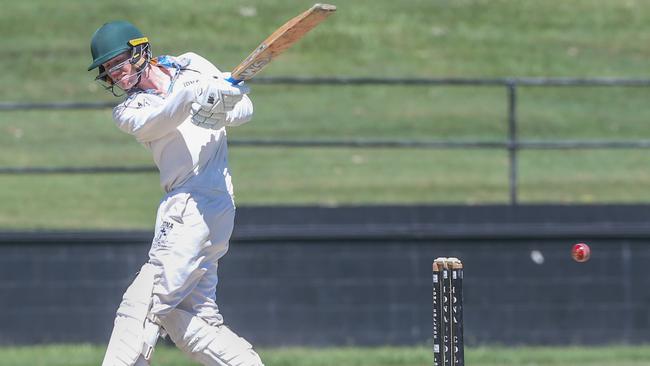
{"x":233,"y":81}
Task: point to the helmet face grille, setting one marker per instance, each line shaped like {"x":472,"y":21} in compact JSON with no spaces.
{"x":140,"y":57}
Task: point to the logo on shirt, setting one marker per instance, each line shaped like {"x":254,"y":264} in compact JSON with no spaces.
{"x":160,"y":241}
{"x":188,"y":83}
{"x":143,"y":103}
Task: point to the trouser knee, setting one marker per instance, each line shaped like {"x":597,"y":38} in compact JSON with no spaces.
{"x":210,"y":345}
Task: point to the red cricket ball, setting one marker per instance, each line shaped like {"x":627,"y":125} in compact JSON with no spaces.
{"x":580,"y":252}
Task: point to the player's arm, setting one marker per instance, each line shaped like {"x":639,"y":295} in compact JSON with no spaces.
{"x":147,"y":122}
{"x":208,"y":101}
{"x":241,"y":113}
{"x":242,"y":109}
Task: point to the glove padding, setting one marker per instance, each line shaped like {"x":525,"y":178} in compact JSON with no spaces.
{"x":214,"y":98}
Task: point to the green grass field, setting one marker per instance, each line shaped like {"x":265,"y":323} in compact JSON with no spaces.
{"x":86,"y":355}
{"x":45,"y":50}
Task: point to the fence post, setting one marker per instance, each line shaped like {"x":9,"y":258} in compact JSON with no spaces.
{"x":512,"y":140}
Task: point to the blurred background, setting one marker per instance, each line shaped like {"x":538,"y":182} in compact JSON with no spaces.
{"x":500,"y":132}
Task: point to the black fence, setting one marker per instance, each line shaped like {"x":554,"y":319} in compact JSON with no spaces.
{"x":360,"y":276}
{"x":512,"y":143}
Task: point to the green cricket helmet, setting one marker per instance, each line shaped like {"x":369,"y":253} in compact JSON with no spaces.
{"x":112,"y":39}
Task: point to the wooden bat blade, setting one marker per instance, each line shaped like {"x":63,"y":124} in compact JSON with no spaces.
{"x":280,"y":40}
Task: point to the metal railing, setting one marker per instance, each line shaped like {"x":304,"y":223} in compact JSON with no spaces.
{"x":512,"y":143}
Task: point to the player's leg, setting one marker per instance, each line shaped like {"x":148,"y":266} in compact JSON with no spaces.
{"x":217,"y":211}
{"x":176,"y":264}
{"x":134,"y":333}
{"x":196,"y":326}
{"x":202,"y":300}
{"x":211,"y":345}
{"x":206,"y":339}
{"x":182,"y":249}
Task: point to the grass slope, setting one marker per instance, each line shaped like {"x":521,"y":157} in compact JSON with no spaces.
{"x":45,"y":45}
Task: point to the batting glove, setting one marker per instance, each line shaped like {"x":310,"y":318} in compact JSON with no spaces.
{"x":214,"y":98}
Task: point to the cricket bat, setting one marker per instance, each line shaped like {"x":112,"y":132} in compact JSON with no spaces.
{"x":279,"y":41}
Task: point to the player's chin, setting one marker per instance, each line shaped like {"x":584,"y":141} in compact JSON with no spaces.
{"x":126,"y":83}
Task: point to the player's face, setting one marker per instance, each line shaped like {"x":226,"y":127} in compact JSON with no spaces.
{"x":121,"y":71}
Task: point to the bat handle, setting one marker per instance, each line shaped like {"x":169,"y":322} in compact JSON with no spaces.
{"x":233,"y":81}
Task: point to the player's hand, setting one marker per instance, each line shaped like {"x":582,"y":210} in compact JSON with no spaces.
{"x":203,"y":117}
{"x":214,"y":98}
{"x":216,"y":95}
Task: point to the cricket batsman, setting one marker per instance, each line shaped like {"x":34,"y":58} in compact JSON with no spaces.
{"x":178,"y":108}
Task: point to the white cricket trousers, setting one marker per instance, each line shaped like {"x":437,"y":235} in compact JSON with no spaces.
{"x":192,"y":233}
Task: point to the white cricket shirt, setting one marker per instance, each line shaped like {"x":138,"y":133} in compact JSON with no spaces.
{"x":186,"y":155}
